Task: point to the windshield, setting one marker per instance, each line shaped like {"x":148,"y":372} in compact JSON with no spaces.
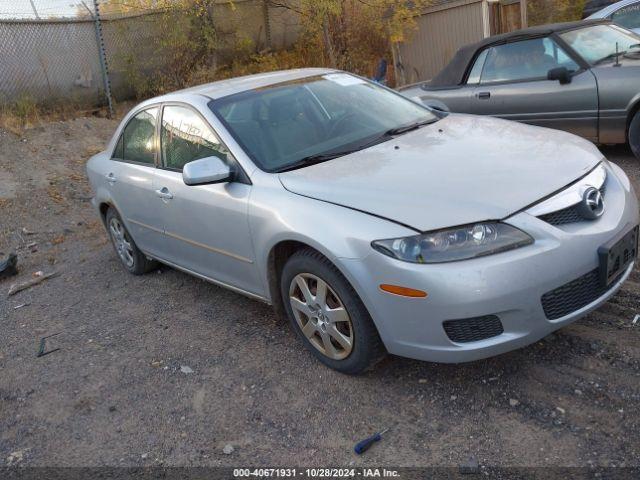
{"x":598,"y":43}
{"x":287,"y":124}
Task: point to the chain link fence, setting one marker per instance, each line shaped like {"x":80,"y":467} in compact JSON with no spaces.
{"x":55,"y":52}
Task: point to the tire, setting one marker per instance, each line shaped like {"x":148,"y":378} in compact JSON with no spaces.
{"x":634,"y":135}
{"x":342,"y":316}
{"x":132,"y":259}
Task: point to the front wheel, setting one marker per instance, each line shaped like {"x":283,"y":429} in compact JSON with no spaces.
{"x":327,"y":314}
{"x":634,"y":135}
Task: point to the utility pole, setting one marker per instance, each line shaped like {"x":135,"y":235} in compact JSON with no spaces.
{"x":103,"y":56}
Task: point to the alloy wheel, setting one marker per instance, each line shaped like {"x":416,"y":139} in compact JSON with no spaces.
{"x":121,"y":241}
{"x":321,"y":316}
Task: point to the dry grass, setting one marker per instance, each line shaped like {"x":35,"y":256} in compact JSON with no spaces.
{"x":25,"y":113}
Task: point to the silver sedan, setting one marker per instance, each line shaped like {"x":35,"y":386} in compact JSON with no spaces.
{"x":371,"y":222}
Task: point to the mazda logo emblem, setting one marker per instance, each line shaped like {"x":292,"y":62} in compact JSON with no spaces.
{"x":592,"y":205}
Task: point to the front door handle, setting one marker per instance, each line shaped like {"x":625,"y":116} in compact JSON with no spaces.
{"x":164,"y":193}
{"x":484,"y":95}
{"x":111,"y":178}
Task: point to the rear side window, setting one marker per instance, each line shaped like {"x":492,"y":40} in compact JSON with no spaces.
{"x":137,"y":142}
{"x":186,"y":137}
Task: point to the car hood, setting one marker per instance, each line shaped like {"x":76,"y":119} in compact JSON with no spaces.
{"x":461,"y":169}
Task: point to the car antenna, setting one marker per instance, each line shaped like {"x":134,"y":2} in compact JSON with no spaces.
{"x":617,"y":64}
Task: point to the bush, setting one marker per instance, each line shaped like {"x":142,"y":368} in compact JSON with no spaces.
{"x":540,"y":12}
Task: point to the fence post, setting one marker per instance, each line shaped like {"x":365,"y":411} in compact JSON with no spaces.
{"x":267,"y":23}
{"x":103,"y":56}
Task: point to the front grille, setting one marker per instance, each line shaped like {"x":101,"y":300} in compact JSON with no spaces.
{"x":574,"y":295}
{"x":562,"y":217}
{"x":567,"y":215}
{"x":473,"y":329}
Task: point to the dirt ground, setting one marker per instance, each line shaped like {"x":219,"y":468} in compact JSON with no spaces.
{"x":115,"y":392}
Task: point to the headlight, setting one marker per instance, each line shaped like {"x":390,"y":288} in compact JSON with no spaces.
{"x":459,"y":243}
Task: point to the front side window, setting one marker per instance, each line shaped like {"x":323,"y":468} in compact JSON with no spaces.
{"x":628,"y":16}
{"x":186,"y":137}
{"x":137,"y":142}
{"x":597,"y":44}
{"x":313,"y":118}
{"x":528,"y":59}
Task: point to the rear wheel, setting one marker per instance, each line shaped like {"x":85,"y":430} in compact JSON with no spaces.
{"x":327,"y":314}
{"x":634,"y":135}
{"x":130,"y":256}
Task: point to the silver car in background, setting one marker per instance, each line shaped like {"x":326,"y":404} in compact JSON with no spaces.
{"x":581,"y":77}
{"x":625,"y":13}
{"x":371,"y":222}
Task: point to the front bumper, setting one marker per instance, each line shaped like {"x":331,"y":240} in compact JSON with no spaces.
{"x":508,"y":285}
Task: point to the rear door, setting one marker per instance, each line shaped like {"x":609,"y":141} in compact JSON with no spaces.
{"x":130,"y":176}
{"x":513,"y":85}
{"x":206,"y":226}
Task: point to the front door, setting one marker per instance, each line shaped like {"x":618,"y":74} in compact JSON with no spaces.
{"x":130,"y":178}
{"x":206,"y":226}
{"x":513,"y":85}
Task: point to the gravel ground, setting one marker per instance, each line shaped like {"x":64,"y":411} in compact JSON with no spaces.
{"x":116,"y":392}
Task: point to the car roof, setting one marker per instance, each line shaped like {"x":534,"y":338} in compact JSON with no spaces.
{"x":454,"y":72}
{"x":606,"y":11}
{"x":223,"y":88}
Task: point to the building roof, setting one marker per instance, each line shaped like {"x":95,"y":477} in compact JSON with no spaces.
{"x":454,"y":72}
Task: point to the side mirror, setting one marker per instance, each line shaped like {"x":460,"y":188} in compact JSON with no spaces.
{"x":562,"y":74}
{"x":206,"y":170}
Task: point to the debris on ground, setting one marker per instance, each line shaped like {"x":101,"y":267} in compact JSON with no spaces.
{"x":471,"y":466}
{"x":364,"y":445}
{"x":39,"y":277}
{"x":513,"y":402}
{"x":186,"y":369}
{"x":635,"y":320}
{"x":16,"y":457}
{"x":43,"y":343}
{"x":18,"y":307}
{"x":9,"y":266}
{"x":228,"y":449}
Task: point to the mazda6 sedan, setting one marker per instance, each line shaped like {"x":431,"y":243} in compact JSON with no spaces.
{"x":580,"y":77}
{"x":373,"y":223}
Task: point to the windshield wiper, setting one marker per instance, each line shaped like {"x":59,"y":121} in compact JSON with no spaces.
{"x":313,"y":159}
{"x":323,"y":157}
{"x":611,"y":56}
{"x":407,"y":128}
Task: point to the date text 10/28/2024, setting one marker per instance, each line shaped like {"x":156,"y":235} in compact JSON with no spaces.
{"x":314,"y":473}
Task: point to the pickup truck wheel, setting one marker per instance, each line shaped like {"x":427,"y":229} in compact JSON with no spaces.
{"x":327,"y":314}
{"x":130,"y":256}
{"x":634,"y":135}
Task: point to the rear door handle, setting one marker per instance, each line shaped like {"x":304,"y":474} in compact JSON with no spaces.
{"x":164,"y":193}
{"x":111,"y":178}
{"x":484,"y":95}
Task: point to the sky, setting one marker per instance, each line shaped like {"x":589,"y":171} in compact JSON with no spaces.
{"x":45,"y":8}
